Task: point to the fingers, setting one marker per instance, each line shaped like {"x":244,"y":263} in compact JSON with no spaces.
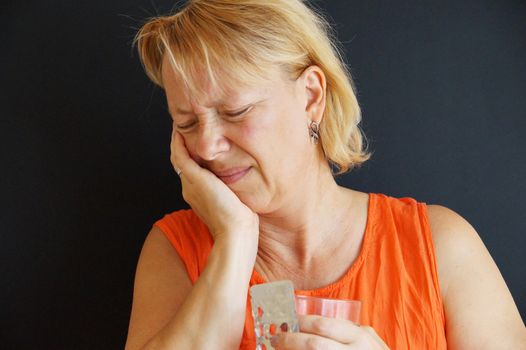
{"x":183,"y":164}
{"x":178,"y":151}
{"x":305,"y":341}
{"x":342,"y":331}
{"x":317,"y":332}
{"x":378,"y":341}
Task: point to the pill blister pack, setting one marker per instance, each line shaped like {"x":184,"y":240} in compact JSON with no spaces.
{"x":273,"y":310}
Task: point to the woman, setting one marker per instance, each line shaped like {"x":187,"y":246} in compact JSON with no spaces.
{"x":263,"y":110}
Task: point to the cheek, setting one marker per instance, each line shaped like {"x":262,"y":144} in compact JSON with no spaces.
{"x":254,"y":141}
{"x":276,"y":134}
{"x":267,"y":128}
{"x":249,"y":132}
{"x":254,"y":132}
{"x":260,"y":140}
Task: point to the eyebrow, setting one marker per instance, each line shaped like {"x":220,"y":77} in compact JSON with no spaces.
{"x":182,"y":111}
{"x":179,"y":111}
{"x":217,"y":103}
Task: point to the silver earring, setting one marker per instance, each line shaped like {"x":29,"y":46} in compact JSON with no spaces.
{"x":314,"y":132}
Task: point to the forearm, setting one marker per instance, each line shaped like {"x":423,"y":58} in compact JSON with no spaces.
{"x":213,"y":314}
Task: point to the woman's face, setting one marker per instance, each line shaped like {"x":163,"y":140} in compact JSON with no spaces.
{"x":256,"y":140}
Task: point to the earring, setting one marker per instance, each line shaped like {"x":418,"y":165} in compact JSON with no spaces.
{"x":314,"y":132}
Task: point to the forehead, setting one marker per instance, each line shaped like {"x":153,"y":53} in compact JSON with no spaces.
{"x":206,"y":93}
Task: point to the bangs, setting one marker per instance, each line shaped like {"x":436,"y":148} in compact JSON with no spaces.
{"x":199,"y":44}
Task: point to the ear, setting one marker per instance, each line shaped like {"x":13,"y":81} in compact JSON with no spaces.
{"x":312,"y":83}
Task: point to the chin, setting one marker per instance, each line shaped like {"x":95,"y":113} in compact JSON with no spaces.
{"x":257,"y":204}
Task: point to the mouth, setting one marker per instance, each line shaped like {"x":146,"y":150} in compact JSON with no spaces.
{"x":232,"y":175}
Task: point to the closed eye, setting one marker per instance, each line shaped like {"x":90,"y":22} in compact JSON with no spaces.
{"x":239,"y":113}
{"x":187,"y":126}
{"x":231,"y":115}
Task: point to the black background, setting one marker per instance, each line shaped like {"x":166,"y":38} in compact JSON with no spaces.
{"x":84,"y":145}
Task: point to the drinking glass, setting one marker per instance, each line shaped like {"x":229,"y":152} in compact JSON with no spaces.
{"x":335,"y":308}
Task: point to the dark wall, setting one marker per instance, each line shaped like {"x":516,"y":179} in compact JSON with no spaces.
{"x":84,"y":145}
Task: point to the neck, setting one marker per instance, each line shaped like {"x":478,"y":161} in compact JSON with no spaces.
{"x":307,"y":226}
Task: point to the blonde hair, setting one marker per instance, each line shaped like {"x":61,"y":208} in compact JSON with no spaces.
{"x":244,"y":39}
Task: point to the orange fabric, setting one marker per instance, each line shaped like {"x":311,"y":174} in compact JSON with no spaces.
{"x":394,"y":275}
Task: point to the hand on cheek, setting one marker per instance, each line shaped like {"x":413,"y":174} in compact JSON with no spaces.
{"x":213,"y":201}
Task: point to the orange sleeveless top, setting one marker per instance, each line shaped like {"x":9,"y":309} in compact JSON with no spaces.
{"x":394,"y":276}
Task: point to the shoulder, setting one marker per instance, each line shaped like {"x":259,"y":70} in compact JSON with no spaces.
{"x":480,"y":310}
{"x":183,"y":227}
{"x":449,"y":227}
{"x":178,"y":218}
{"x":161,"y":285}
{"x":190,"y":238}
{"x":157,"y":255}
{"x":455,"y":241}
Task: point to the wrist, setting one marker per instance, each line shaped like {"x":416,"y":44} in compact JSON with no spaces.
{"x":244,"y":234}
{"x":243,"y":246}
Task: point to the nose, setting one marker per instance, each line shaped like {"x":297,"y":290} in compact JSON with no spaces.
{"x":210,"y":140}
